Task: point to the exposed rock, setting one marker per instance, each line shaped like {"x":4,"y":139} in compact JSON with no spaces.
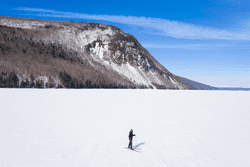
{"x":88,"y":52}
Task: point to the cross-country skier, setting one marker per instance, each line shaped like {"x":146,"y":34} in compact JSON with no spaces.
{"x":130,"y":136}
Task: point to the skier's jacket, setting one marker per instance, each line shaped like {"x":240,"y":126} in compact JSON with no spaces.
{"x":131,"y":135}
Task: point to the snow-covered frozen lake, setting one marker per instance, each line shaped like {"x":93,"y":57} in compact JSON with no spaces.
{"x":81,"y":128}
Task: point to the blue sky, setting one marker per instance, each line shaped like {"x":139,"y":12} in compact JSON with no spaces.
{"x":203,"y":40}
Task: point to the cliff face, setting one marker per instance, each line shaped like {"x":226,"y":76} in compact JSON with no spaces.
{"x":86,"y":53}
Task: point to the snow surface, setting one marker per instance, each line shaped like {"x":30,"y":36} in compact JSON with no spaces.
{"x":62,"y":128}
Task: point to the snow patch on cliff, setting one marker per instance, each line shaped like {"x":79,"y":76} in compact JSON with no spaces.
{"x":99,"y":50}
{"x":137,"y":74}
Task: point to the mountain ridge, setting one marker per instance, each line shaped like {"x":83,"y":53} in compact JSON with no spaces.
{"x":95,"y":53}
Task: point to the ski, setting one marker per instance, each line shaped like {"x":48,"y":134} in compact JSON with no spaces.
{"x":132,"y":149}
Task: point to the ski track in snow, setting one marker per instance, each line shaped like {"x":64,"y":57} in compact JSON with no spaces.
{"x":61,"y":128}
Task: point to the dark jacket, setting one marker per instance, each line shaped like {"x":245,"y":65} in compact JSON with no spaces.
{"x":131,"y":135}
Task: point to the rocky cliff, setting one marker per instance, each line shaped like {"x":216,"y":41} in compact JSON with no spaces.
{"x":77,"y":54}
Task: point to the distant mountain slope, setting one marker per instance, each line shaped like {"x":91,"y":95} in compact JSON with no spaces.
{"x":76,"y":54}
{"x":196,"y":85}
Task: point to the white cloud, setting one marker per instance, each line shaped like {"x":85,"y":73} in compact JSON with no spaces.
{"x":175,"y":29}
{"x":195,"y":46}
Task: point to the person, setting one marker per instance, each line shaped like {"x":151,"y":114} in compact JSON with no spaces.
{"x":130,"y":136}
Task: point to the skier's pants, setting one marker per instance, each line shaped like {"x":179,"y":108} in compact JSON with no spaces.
{"x":130,"y":144}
